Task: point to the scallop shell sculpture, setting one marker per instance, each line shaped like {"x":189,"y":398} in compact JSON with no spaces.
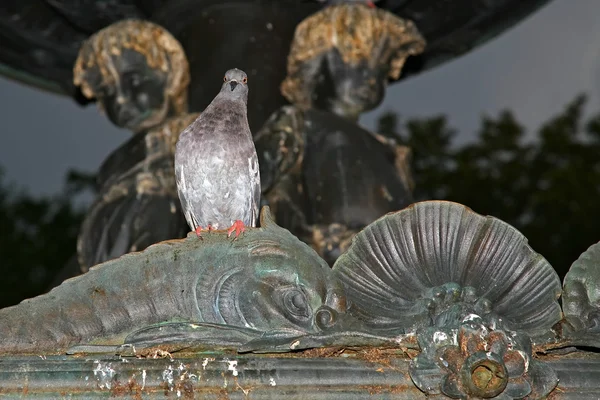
{"x":436,"y":262}
{"x":581,"y":295}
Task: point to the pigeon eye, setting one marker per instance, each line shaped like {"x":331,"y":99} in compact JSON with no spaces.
{"x":224,"y":79}
{"x":245,"y":80}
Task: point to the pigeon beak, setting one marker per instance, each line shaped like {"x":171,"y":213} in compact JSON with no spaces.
{"x":233,"y":84}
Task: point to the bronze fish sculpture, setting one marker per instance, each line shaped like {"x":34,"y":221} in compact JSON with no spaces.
{"x":218,"y":291}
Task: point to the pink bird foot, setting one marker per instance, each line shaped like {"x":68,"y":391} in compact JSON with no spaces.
{"x":238,"y":227}
{"x":199,"y":230}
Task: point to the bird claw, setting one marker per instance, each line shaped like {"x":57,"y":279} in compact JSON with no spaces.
{"x":238,"y":227}
{"x":199,"y":230}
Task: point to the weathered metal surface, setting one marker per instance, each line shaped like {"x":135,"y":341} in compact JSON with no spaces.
{"x":265,"y":281}
{"x":434,"y":299}
{"x":122,"y":62}
{"x":325,"y":178}
{"x":342,"y":57}
{"x":208,"y":376}
{"x":436,"y":262}
{"x":221,"y":376}
{"x":138,"y":74}
{"x":581,"y":292}
{"x":40,"y":38}
{"x":578,"y":376}
{"x":137,"y":203}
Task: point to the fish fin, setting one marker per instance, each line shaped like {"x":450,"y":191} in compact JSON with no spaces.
{"x":191,"y":335}
{"x":275,"y":341}
{"x":93,"y":349}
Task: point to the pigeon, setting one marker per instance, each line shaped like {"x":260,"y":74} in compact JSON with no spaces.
{"x":216,"y":165}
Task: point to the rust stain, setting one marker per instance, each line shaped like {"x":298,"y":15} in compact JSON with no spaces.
{"x":158,"y":351}
{"x":131,"y":388}
{"x":222,"y":394}
{"x":380,"y":389}
{"x":187,"y":388}
{"x":373,"y":389}
{"x":490,"y":378}
{"x":98,"y":291}
{"x":383,"y":357}
{"x":322,"y":352}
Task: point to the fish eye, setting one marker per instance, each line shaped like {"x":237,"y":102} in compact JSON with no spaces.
{"x":295,"y":302}
{"x":245,"y":80}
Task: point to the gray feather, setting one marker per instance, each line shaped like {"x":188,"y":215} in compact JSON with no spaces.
{"x":216,"y":166}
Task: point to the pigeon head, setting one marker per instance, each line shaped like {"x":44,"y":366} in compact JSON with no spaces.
{"x":235,"y":84}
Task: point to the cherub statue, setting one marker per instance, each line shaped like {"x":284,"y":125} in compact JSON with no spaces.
{"x":324,"y":176}
{"x":138,"y":73}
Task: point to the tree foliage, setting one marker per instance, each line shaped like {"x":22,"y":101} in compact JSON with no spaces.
{"x":547,"y":185}
{"x":37,"y":239}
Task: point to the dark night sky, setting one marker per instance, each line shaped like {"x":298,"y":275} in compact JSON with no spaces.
{"x":533,"y":69}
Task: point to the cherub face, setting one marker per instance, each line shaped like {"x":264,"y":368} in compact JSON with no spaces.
{"x":348,"y":90}
{"x":135,"y":98}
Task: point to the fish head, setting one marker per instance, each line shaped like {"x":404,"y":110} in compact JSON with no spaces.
{"x":290,"y":287}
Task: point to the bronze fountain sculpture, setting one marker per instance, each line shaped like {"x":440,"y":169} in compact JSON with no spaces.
{"x":324,"y":176}
{"x":454,"y":300}
{"x":139,"y":75}
{"x":329,"y":179}
{"x":429,"y":300}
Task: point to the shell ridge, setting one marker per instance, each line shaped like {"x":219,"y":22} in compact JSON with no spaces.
{"x":393,"y":260}
{"x":406,"y":257}
{"x":406,"y":252}
{"x":539,"y":321}
{"x":458,"y":250}
{"x":478,"y":274}
{"x":419,"y":248}
{"x":484,"y":266}
{"x":393,"y":257}
{"x":462,"y":246}
{"x":373,"y":252}
{"x":473,"y":236}
{"x":510,"y":262}
{"x":368,"y":289}
{"x":439,"y":243}
{"x":514,"y":293}
{"x":513,"y":261}
{"x":446,"y":241}
{"x":442,"y":242}
{"x":532,"y":293}
{"x":369,"y":285}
